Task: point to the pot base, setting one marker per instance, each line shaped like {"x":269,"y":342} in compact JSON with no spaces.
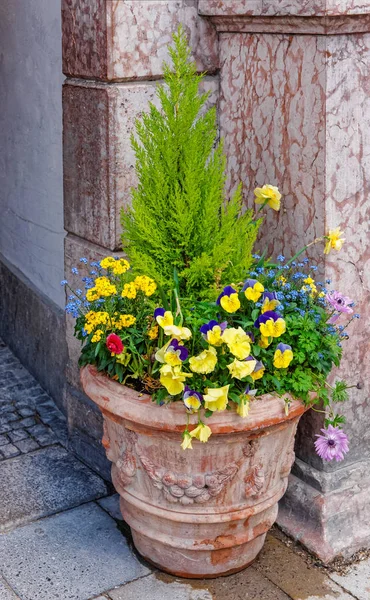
{"x":209,"y":563}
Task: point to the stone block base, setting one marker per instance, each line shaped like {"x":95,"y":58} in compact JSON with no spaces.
{"x":328,"y":513}
{"x":34,"y":329}
{"x":85,"y":431}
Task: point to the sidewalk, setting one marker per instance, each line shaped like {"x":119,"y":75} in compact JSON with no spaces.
{"x":62,"y":537}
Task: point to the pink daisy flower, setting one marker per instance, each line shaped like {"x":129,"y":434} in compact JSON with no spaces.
{"x":333,"y":444}
{"x":340,"y":303}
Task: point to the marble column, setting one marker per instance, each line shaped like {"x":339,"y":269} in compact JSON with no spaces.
{"x":295,"y":112}
{"x":113,"y":52}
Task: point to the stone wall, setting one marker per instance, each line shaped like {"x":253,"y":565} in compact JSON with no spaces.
{"x":31,"y":189}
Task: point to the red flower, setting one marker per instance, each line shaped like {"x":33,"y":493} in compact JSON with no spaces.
{"x":114,"y":344}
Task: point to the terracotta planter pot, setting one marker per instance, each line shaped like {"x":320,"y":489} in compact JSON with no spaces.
{"x":203,"y":512}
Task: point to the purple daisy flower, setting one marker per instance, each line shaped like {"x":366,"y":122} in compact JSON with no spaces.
{"x":333,"y":444}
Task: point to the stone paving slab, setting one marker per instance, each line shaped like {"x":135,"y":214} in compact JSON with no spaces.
{"x":44,"y":482}
{"x":290,"y":572}
{"x":111,"y":505}
{"x":5,"y":592}
{"x":151,"y":588}
{"x":357,"y":580}
{"x":75,"y":555}
{"x":246,"y":585}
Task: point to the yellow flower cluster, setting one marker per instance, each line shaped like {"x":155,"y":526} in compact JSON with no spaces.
{"x":145,"y":284}
{"x":310,"y":285}
{"x":129,"y":291}
{"x":97,"y":335}
{"x":141,"y":283}
{"x":153,"y":332}
{"x":117,"y":266}
{"x":93,"y":319}
{"x":103,"y":288}
{"x":123,"y":321}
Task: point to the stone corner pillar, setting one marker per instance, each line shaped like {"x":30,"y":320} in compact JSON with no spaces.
{"x":295,"y":112}
{"x":113,"y":52}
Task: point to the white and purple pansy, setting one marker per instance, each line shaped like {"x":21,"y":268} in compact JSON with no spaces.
{"x":175,"y":353}
{"x":192,"y":399}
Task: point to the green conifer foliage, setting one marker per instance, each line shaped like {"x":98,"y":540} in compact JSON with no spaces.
{"x":179,"y":216}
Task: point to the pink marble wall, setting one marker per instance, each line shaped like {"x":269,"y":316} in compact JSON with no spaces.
{"x":302,"y":8}
{"x":272,"y":99}
{"x":128,"y":39}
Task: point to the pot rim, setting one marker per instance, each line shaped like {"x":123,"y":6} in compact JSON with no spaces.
{"x":125,"y":403}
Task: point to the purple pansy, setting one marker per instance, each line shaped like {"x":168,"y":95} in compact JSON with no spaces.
{"x":227,"y":291}
{"x":333,"y":444}
{"x":269,"y":314}
{"x":159,"y":312}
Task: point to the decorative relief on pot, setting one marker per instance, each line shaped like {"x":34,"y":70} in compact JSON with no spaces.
{"x":250,"y":448}
{"x":126,"y":464}
{"x":254,"y":481}
{"x":189,"y":489}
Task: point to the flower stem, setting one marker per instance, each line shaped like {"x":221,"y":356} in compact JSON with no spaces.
{"x":315,"y":241}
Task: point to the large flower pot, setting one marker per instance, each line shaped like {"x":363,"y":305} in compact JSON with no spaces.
{"x":202,"y":512}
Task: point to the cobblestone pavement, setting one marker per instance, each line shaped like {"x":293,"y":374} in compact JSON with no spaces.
{"x":62,"y":537}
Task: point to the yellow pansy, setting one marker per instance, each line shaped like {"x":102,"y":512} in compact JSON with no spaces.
{"x":271,"y":324}
{"x":241,"y":368}
{"x":214,"y":336}
{"x":186,"y":441}
{"x":205,"y":362}
{"x":334,"y":240}
{"x":172,"y":378}
{"x":163,"y":318}
{"x":201,"y":433}
{"x":242,"y":409}
{"x":268,"y":194}
{"x":253,"y":289}
{"x":177,"y":332}
{"x":264,"y":342}
{"x":216,"y":398}
{"x":229,"y":299}
{"x":238,"y":342}
{"x":269,"y":305}
{"x":283,"y":356}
